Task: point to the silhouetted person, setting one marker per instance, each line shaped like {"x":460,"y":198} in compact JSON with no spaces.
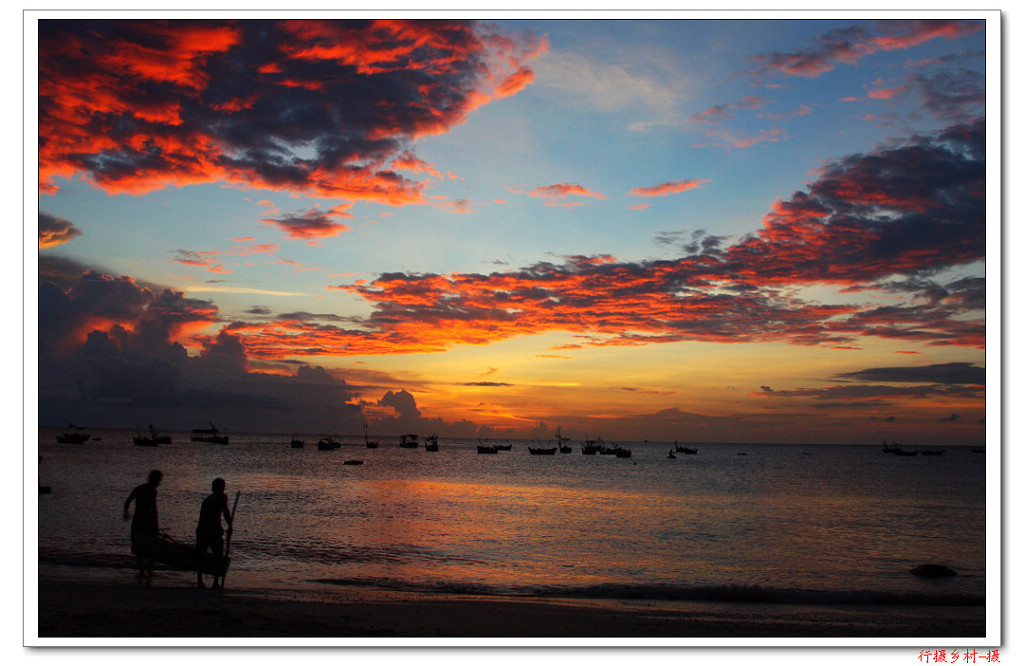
{"x":210,"y":532}
{"x":145,"y":523}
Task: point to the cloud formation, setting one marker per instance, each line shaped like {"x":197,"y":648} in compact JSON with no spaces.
{"x":311,"y":224}
{"x":54,"y":231}
{"x":671,"y":187}
{"x":329,"y":108}
{"x":908,"y":210}
{"x":849,"y":45}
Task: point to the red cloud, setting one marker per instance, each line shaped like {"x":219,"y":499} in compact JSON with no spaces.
{"x":902,"y":211}
{"x":563,"y":190}
{"x":671,"y":187}
{"x":139,"y":105}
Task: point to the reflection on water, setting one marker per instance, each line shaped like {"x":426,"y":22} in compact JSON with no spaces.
{"x":842,"y":520}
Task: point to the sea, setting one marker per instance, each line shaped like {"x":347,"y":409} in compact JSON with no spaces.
{"x":735,"y":523}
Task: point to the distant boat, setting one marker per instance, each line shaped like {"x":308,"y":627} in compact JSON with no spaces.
{"x":366,"y":438}
{"x":886,"y":448}
{"x":623,"y":453}
{"x":543,"y":452}
{"x":503,"y":447}
{"x":153,"y":440}
{"x":483,"y":448}
{"x":208,"y":435}
{"x":431,"y":444}
{"x":904,"y":452}
{"x":328,"y":444}
{"x":687,"y":451}
{"x":409,"y":441}
{"x":297,"y":443}
{"x":352,"y":462}
{"x":563,"y":442}
{"x":671,"y":453}
{"x":77,"y":436}
{"x":592,"y":447}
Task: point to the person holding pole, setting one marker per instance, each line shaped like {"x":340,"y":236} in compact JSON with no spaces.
{"x":210,"y":532}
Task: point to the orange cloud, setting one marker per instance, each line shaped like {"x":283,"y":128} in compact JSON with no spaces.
{"x":563,"y":190}
{"x":902,"y":211}
{"x":671,"y":187}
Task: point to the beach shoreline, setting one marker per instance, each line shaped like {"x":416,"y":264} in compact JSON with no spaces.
{"x":104,"y":612}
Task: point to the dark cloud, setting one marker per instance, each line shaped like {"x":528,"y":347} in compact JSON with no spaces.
{"x":320,"y":106}
{"x":848,"y":45}
{"x":952,"y":95}
{"x":308,"y":225}
{"x":54,"y":231}
{"x":112,"y":351}
{"x":956,"y":373}
{"x":402,"y":402}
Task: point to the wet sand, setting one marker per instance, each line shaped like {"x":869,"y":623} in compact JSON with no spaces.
{"x":170,"y":609}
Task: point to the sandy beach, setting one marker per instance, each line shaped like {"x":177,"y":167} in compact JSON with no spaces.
{"x":169,"y":609}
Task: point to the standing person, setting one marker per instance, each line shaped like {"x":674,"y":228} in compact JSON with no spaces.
{"x":210,"y":532}
{"x":145,"y":522}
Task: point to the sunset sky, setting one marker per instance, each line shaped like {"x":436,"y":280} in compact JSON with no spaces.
{"x":697,"y":230}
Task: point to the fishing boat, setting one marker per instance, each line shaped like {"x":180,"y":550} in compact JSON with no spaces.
{"x":366,"y":438}
{"x":483,"y":448}
{"x":503,"y":447}
{"x":328,"y":444}
{"x":688,"y":451}
{"x":431,"y":443}
{"x":592,"y":447}
{"x":623,"y":453}
{"x":297,"y":443}
{"x":210,"y":435}
{"x":76,"y":436}
{"x":563,"y":442}
{"x":409,"y":441}
{"x":543,"y":452}
{"x":886,"y":448}
{"x":904,"y":452}
{"x":153,"y":440}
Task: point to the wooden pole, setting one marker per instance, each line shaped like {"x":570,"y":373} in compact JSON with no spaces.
{"x":227,"y":543}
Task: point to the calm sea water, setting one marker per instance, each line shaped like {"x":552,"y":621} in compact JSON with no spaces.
{"x":801,"y":523}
